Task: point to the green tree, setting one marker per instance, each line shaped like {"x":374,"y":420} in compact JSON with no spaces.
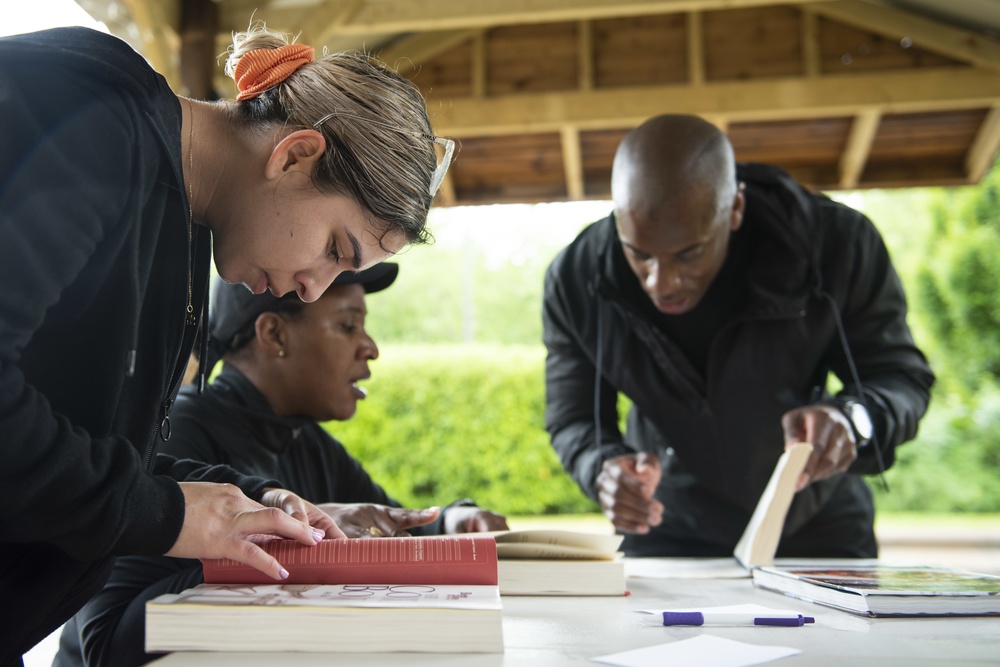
{"x":956,"y":287}
{"x":953,"y":463}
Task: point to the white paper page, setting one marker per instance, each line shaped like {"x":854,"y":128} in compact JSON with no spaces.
{"x":700,"y":651}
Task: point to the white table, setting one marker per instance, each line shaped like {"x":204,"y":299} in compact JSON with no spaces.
{"x":557,"y":632}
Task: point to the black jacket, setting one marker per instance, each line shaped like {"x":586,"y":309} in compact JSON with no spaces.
{"x":719,"y":434}
{"x":231,"y":423}
{"x":94,"y":265}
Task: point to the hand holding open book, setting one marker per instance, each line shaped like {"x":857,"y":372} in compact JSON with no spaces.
{"x":760,"y":539}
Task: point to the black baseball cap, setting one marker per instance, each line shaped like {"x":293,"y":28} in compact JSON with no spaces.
{"x":232,"y":307}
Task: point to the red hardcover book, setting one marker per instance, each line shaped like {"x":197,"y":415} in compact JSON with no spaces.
{"x":436,"y":559}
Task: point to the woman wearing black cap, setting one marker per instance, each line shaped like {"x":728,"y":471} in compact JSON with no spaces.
{"x":288,"y":365}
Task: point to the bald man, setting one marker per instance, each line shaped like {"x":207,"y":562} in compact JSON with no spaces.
{"x":711,"y":298}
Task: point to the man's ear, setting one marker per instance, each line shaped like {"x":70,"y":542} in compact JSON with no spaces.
{"x":271,"y":334}
{"x":299,"y":151}
{"x":739,"y":207}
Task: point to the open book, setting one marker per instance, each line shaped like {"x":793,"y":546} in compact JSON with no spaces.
{"x":436,"y":593}
{"x":759,"y":541}
{"x":559,"y":562}
{"x":760,"y":538}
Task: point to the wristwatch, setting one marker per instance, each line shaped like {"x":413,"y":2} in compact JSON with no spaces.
{"x":860,"y":420}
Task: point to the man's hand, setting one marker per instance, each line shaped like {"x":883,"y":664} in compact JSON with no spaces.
{"x":371,"y":520}
{"x":472,"y":520}
{"x":826,"y":428}
{"x":218,"y":518}
{"x":303,"y":510}
{"x":625,"y":488}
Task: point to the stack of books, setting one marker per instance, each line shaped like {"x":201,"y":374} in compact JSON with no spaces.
{"x":436,"y":594}
{"x":559,"y":562}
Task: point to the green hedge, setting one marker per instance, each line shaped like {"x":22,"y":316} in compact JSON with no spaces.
{"x":444,"y":422}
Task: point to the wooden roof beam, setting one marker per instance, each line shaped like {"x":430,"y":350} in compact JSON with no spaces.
{"x":984,"y":147}
{"x":908,"y":91}
{"x":159,"y":37}
{"x":328,"y":19}
{"x":859,"y":145}
{"x":410,"y":53}
{"x":810,"y":45}
{"x":926,"y":33}
{"x":480,"y":64}
{"x":572,"y":162}
{"x":392,"y":16}
{"x":695,"y":49}
{"x":585,"y":55}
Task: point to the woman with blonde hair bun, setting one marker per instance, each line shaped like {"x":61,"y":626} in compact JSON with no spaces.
{"x":114,"y":195}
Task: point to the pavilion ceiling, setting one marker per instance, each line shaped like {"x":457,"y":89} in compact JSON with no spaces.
{"x":842,"y":93}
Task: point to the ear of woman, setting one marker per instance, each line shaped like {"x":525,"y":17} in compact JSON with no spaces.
{"x":271,"y":335}
{"x":299,"y":151}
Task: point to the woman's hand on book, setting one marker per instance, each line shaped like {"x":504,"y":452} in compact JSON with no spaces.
{"x":218,"y":519}
{"x":371,"y":520}
{"x":303,"y":510}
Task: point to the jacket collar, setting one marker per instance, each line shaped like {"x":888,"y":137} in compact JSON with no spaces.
{"x":240,"y":390}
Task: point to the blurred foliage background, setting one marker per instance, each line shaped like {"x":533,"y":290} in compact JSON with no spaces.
{"x":456,"y":400}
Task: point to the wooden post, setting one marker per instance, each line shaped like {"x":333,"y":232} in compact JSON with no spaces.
{"x":199,"y":25}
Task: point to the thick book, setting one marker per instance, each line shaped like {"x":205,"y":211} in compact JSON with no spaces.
{"x":348,"y":618}
{"x":759,"y":542}
{"x":436,"y":594}
{"x":887,"y":590}
{"x":559,"y":562}
{"x":436,"y":559}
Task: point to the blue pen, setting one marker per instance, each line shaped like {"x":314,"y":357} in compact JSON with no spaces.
{"x":730,"y":618}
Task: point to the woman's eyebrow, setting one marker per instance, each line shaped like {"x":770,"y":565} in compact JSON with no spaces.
{"x":356,"y":260}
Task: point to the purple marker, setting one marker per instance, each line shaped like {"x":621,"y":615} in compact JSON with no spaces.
{"x":730,"y":618}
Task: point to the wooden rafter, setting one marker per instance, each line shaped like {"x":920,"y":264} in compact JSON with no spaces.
{"x":962,"y":45}
{"x":984,"y":147}
{"x":393,"y":16}
{"x":572,"y":162}
{"x":410,"y":53}
{"x":328,"y":19}
{"x":158,"y":35}
{"x":859,"y":145}
{"x":480,"y":64}
{"x":810,"y":44}
{"x":696,"y":49}
{"x":585,"y":54}
{"x":890,"y":92}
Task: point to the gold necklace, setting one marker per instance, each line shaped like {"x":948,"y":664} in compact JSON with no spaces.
{"x":190,"y":318}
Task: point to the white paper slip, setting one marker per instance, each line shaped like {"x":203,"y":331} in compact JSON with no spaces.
{"x":700,"y":651}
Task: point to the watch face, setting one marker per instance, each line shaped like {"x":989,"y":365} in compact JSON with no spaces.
{"x":861,"y":420}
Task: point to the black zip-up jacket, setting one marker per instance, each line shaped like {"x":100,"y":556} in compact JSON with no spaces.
{"x":718,"y":435}
{"x":94,"y":263}
{"x":233,"y":424}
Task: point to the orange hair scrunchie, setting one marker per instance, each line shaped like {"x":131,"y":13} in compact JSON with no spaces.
{"x":261,"y":69}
